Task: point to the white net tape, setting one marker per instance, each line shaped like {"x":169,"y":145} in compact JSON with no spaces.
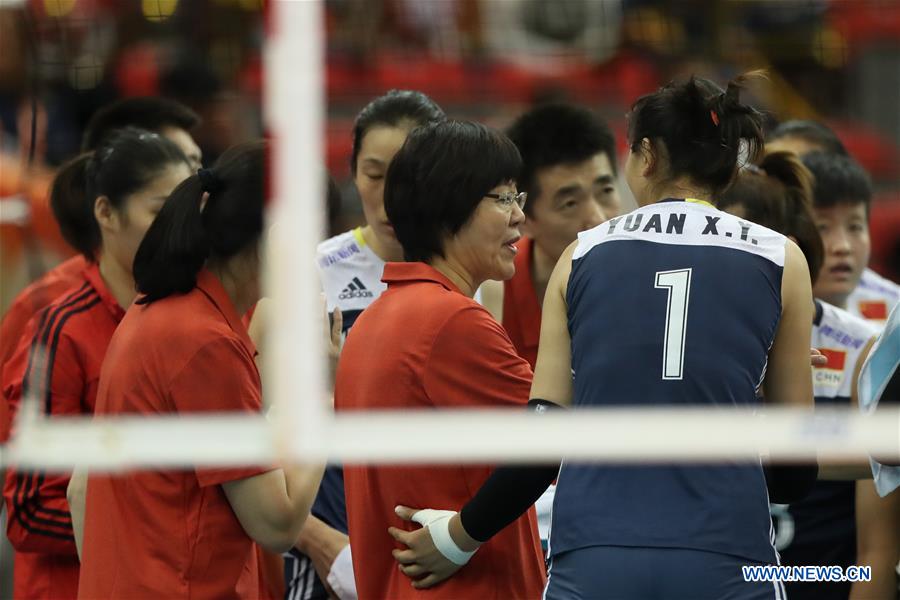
{"x":618,"y":435}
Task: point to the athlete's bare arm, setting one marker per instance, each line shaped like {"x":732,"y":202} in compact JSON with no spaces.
{"x":553,"y":370}
{"x":492,"y":298}
{"x":789,"y":373}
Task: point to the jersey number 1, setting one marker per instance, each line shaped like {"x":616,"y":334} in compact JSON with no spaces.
{"x":678,"y":285}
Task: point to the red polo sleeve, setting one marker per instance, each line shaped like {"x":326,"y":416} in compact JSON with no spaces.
{"x":47,"y":365}
{"x":473,"y":364}
{"x":220,"y":377}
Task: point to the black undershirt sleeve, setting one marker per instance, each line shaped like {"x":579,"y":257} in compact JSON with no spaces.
{"x":508,"y":492}
{"x":790,"y":483}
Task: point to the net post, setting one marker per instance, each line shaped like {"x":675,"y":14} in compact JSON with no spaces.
{"x":294,"y":112}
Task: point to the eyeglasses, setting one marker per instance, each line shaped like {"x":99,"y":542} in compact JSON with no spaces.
{"x":506,"y":199}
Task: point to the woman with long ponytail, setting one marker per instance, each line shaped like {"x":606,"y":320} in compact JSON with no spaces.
{"x":182,"y":348}
{"x":110,"y":197}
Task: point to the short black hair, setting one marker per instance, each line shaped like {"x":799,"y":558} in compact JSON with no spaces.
{"x":839,"y":179}
{"x":149,"y":112}
{"x":555,"y":134}
{"x":438,"y":178}
{"x":813,"y":132}
{"x":703,"y":128}
{"x":393,"y":109}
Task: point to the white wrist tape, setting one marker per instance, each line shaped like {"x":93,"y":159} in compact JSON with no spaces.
{"x":340,"y":577}
{"x":438,"y":524}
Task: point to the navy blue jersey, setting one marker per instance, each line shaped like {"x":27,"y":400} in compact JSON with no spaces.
{"x":676,"y":303}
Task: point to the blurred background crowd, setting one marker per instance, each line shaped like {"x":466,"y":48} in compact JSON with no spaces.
{"x":837,"y":61}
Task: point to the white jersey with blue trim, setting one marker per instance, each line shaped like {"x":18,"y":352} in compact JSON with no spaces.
{"x":685,"y":223}
{"x":351,"y":274}
{"x":841,"y":337}
{"x":874,"y":297}
{"x":676,"y":303}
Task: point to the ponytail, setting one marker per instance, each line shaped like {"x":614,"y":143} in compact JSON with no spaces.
{"x":704,"y":129}
{"x":738,"y":123}
{"x":797,"y":180}
{"x":188,"y":232}
{"x":72,"y":207}
{"x":175,"y":247}
{"x":778,"y":194}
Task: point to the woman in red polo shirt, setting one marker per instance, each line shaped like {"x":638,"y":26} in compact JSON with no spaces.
{"x":122,"y":186}
{"x":182,"y":348}
{"x":166,"y":117}
{"x":425,"y":343}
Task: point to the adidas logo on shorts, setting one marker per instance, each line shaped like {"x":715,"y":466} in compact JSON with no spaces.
{"x":355,"y":289}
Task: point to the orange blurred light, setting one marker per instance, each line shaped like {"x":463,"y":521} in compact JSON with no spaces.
{"x":251,"y":4}
{"x":158,"y":10}
{"x":58,"y":8}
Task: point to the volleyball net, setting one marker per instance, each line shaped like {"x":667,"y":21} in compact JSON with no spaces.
{"x":302,"y":426}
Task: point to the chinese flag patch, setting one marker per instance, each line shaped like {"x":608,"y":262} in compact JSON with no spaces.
{"x":875,"y":309}
{"x":836,"y":359}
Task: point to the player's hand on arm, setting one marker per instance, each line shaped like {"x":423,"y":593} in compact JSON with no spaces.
{"x":437,"y":550}
{"x":329,"y":551}
{"x":75,"y":495}
{"x":448,"y":540}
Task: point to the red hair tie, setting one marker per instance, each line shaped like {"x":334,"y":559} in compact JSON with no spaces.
{"x":715,"y":117}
